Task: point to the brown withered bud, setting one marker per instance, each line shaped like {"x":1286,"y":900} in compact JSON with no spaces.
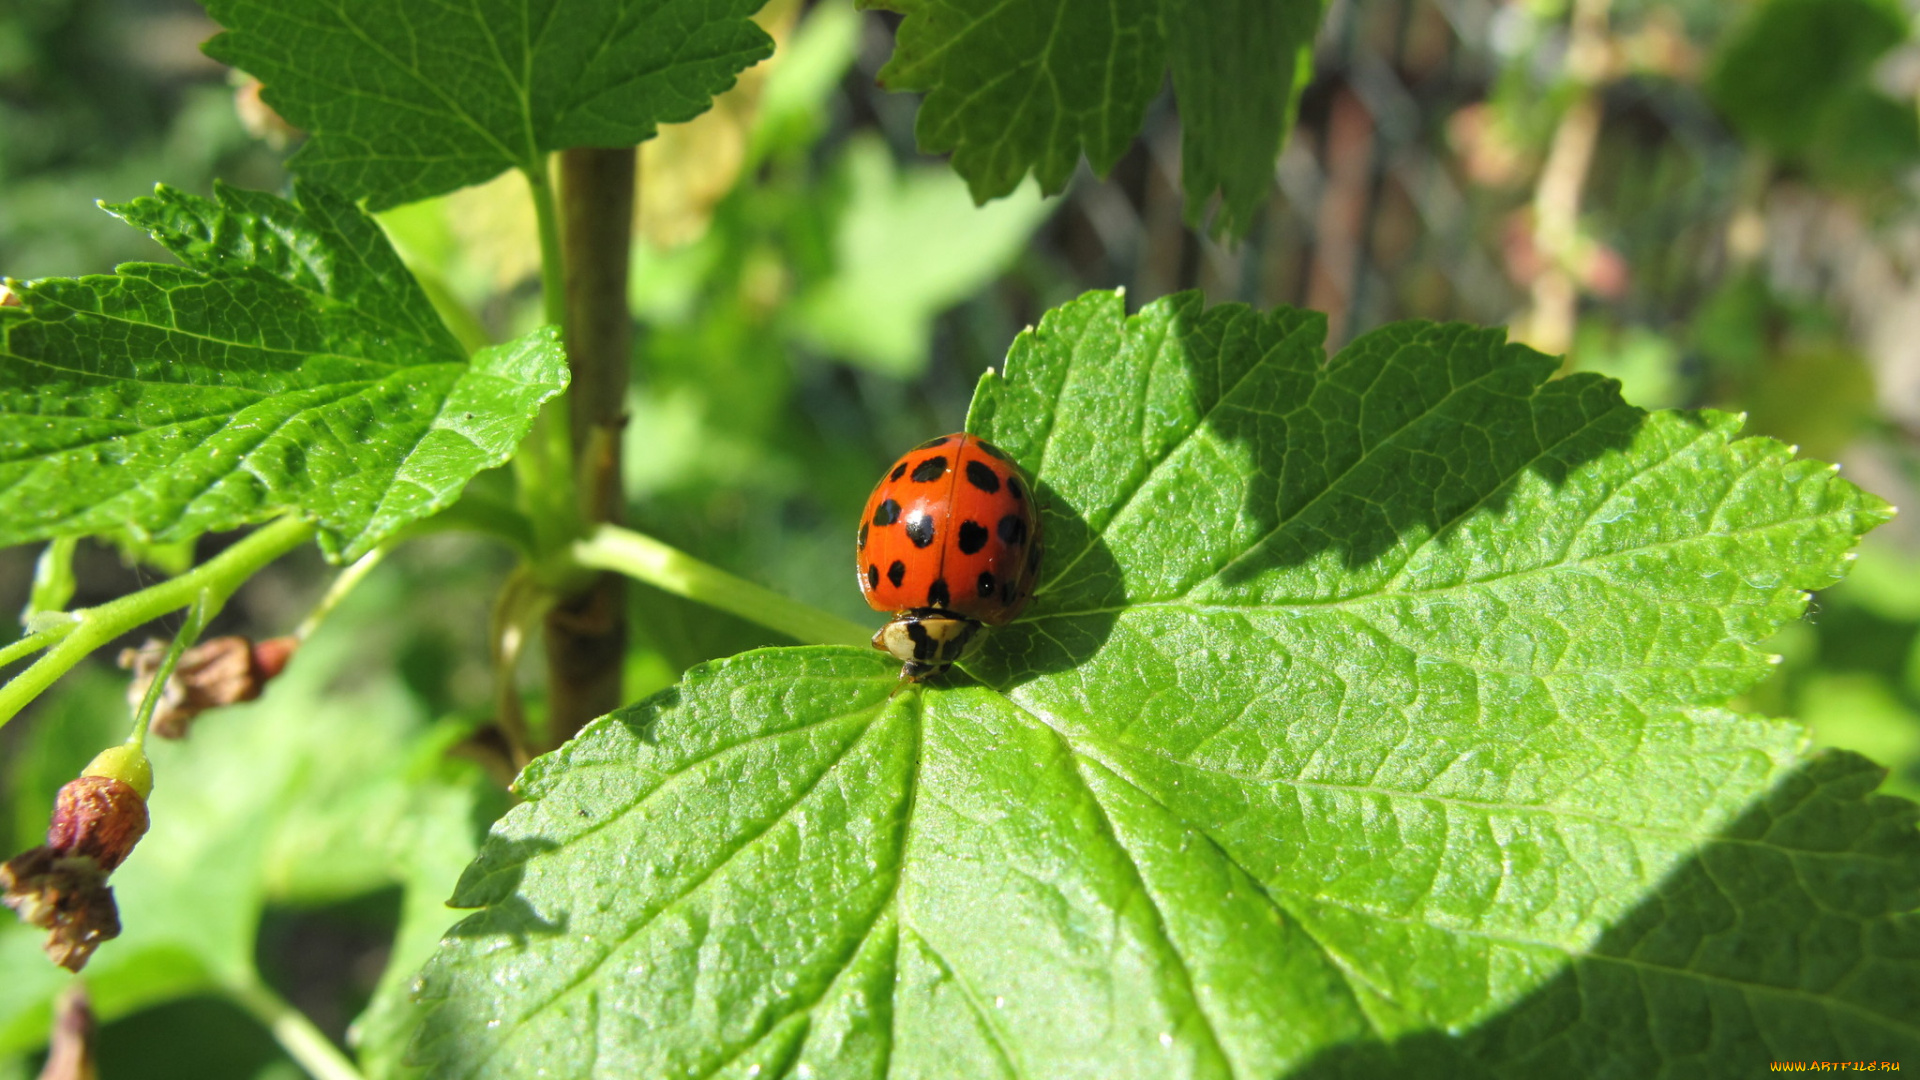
{"x":61,"y":886}
{"x":98,"y":817}
{"x":70,"y":1051}
{"x":223,"y":671}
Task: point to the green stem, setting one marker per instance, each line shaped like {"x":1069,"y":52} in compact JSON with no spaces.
{"x":94,"y":627}
{"x":343,"y":583}
{"x":33,"y":643}
{"x":544,"y":466}
{"x":553,"y":282}
{"x":189,"y":633}
{"x":304,"y":1043}
{"x":645,"y":559}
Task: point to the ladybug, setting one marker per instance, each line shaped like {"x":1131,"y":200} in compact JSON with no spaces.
{"x":949,"y":543}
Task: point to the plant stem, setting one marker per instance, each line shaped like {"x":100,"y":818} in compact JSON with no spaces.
{"x":553,"y":282}
{"x":586,"y":628}
{"x":303,"y":1042}
{"x":189,"y":633}
{"x":343,"y":583}
{"x":597,"y":242}
{"x":33,"y":643}
{"x":94,"y":627}
{"x":645,"y":559}
{"x":544,"y":466}
{"x":519,"y":608}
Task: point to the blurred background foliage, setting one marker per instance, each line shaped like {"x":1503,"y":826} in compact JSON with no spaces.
{"x":1717,"y":203}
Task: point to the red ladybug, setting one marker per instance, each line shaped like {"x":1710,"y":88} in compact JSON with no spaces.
{"x":950,"y":540}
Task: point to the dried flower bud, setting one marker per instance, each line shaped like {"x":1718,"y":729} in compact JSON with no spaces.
{"x":61,"y":886}
{"x":98,"y":817}
{"x":66,"y":897}
{"x":70,"y":1051}
{"x":223,"y":671}
{"x":270,"y":657}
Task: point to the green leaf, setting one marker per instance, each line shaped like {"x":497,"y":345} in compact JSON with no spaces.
{"x":1367,"y":718}
{"x":1013,"y":88}
{"x":877,"y":309}
{"x":1239,"y":67}
{"x":1791,"y":63}
{"x":53,"y":581}
{"x":410,"y":99}
{"x":292,"y":363}
{"x":437,"y":840}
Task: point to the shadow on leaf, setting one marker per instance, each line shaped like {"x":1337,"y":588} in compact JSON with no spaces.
{"x":492,"y":882}
{"x":1401,"y":435}
{"x":1043,"y":642}
{"x":1789,"y":936}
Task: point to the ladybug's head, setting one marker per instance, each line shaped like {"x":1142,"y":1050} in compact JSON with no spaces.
{"x":927,"y":641}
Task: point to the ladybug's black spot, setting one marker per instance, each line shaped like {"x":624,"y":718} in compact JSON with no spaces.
{"x":886,"y":513}
{"x":899,"y":471}
{"x":1013,"y":488}
{"x":982,"y":477}
{"x":986,"y":584}
{"x":937,"y":594}
{"x":873,"y":576}
{"x":989,"y":449}
{"x":863,"y":537}
{"x":920,"y":530}
{"x":897,"y":573}
{"x":1013,"y":530}
{"x":931,"y":443}
{"x":973,"y":537}
{"x":930,"y":470}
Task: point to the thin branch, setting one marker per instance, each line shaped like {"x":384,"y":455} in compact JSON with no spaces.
{"x":91,"y":628}
{"x":645,"y":559}
{"x":197,"y":617}
{"x":343,"y":583}
{"x":586,"y":628}
{"x":306,"y":1044}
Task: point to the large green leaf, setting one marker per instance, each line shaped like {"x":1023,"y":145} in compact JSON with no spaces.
{"x":292,"y":363}
{"x":1032,"y":86}
{"x":406,"y":99}
{"x":1368,"y":719}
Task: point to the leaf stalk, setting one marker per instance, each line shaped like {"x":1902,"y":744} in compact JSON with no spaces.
{"x":306,"y":1044}
{"x":91,"y":628}
{"x":156,"y":689}
{"x":643,"y":558}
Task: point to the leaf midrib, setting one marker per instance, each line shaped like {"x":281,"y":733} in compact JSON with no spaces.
{"x":1180,"y":603}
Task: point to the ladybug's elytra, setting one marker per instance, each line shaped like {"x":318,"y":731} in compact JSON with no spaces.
{"x":950,"y":542}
